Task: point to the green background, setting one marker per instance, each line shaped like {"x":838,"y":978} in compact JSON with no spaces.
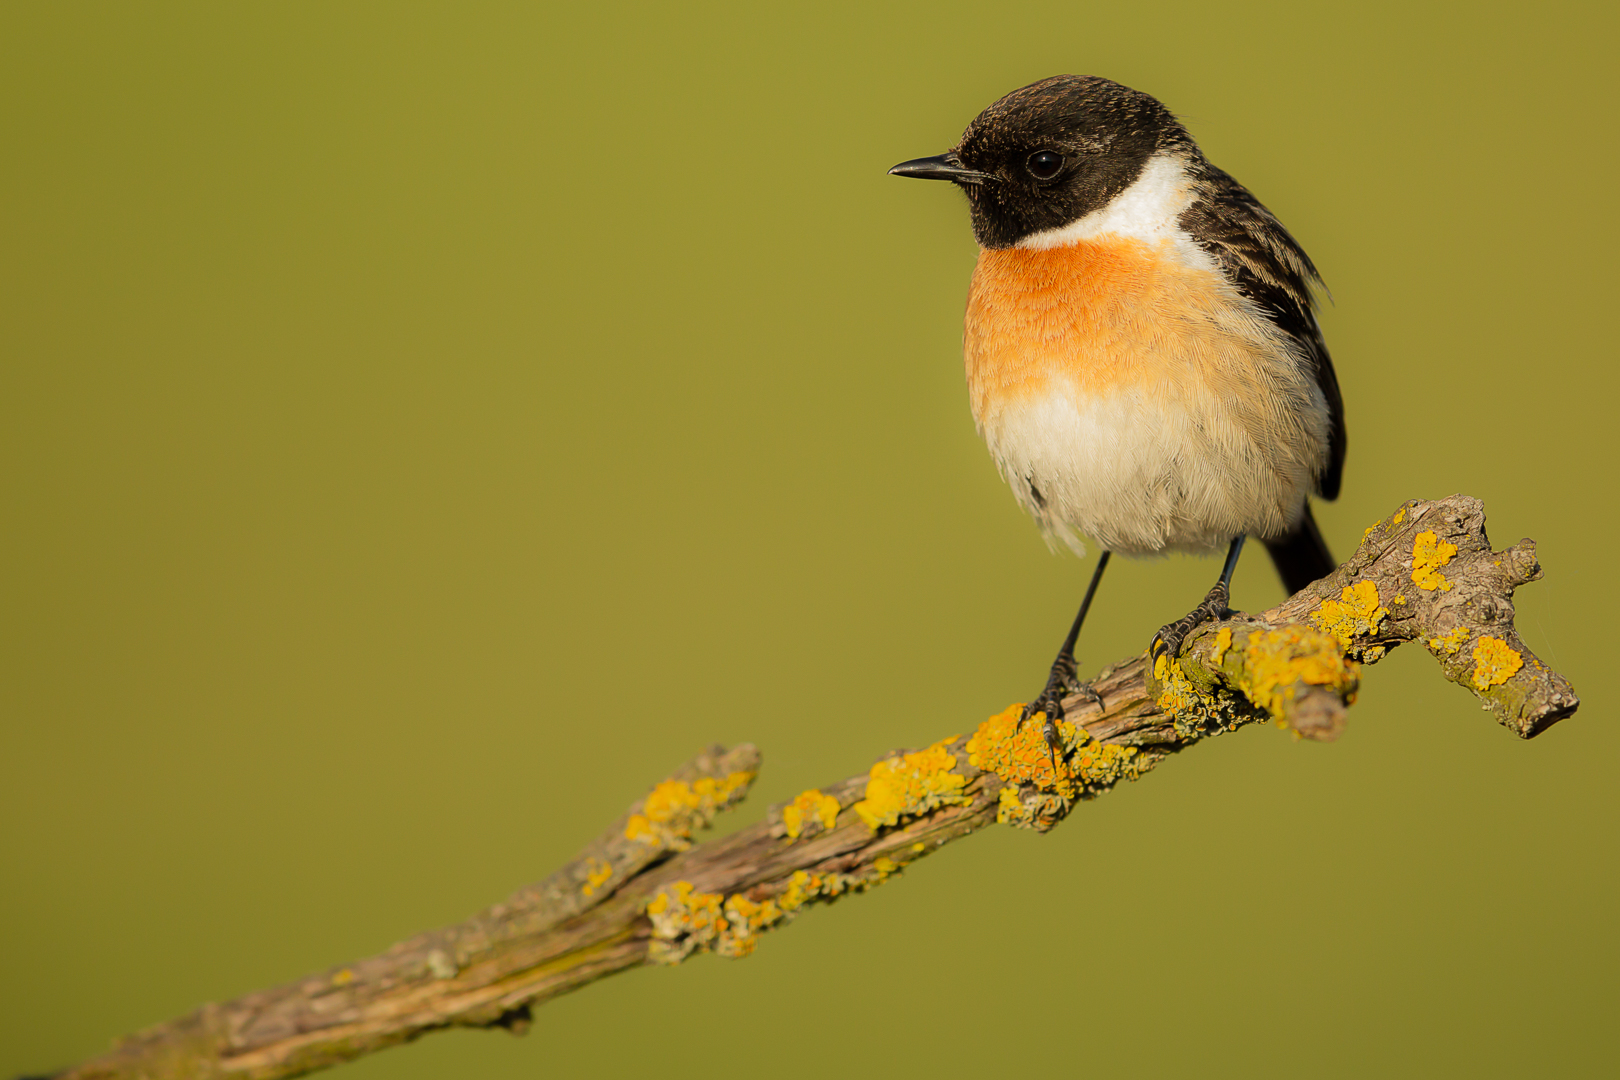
{"x":426,"y":426}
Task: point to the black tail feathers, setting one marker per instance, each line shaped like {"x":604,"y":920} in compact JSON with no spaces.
{"x":1302,"y":556}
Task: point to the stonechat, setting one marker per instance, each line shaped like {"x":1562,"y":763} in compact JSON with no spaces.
{"x":1143,"y":357}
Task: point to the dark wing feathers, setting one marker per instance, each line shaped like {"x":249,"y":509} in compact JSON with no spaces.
{"x":1270,"y":267}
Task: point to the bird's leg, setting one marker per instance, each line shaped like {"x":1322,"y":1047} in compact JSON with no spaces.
{"x":1064,"y":676}
{"x":1214,"y":606}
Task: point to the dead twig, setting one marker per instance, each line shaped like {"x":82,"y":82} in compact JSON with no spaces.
{"x":644,"y":893}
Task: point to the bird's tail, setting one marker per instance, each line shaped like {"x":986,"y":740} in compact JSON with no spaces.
{"x":1302,"y":556}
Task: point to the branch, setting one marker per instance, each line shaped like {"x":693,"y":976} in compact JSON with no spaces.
{"x":643,"y":893}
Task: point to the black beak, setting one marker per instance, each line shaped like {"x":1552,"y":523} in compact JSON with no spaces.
{"x":946,"y":166}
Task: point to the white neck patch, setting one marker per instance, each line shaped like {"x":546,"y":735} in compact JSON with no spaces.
{"x":1147,"y":210}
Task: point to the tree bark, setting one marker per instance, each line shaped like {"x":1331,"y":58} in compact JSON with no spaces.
{"x":643,"y":892}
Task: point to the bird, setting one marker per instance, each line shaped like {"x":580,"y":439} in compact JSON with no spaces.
{"x":1143,"y":355}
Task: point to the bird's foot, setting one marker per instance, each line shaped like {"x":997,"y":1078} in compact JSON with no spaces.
{"x":1169,"y":639}
{"x":1064,"y":679}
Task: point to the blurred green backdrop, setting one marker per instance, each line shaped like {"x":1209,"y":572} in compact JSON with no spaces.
{"x":425,"y":426}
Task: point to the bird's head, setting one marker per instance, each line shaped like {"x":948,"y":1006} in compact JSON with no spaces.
{"x":1051,"y":153}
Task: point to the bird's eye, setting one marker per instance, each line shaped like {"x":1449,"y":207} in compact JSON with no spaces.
{"x":1044,"y":164}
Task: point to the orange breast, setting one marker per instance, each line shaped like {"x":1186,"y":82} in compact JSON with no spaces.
{"x":1096,"y":316}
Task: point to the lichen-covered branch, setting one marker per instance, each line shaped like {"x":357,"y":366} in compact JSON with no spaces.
{"x":643,"y":893}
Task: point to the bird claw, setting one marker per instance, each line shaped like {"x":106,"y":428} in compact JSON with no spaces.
{"x":1171,"y":636}
{"x":1064,"y":679}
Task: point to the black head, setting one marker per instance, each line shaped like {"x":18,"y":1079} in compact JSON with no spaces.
{"x":1051,"y":153}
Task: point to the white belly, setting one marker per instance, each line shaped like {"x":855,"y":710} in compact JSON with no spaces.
{"x":1149,"y":471}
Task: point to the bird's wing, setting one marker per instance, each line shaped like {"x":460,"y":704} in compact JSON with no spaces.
{"x":1270,"y":267}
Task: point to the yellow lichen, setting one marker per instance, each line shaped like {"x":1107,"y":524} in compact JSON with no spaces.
{"x":809,"y":806}
{"x":1192,"y":712}
{"x":1449,"y":643}
{"x":1009,"y":807}
{"x":1495,"y":662}
{"x":1429,"y":553}
{"x":1030,"y":808}
{"x":683,"y":920}
{"x":804,"y":887}
{"x":675,"y":809}
{"x":909,"y":784}
{"x":1172,"y":681}
{"x":1018,"y":753}
{"x":1223,"y":641}
{"x":1033,"y":795}
{"x":740,"y":929}
{"x":1277,"y":662}
{"x":1265,"y":667}
{"x":596,"y":872}
{"x":799,"y":890}
{"x":1356,"y":611}
{"x":343,"y":977}
{"x":1400,"y":516}
{"x":1104,"y":764}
